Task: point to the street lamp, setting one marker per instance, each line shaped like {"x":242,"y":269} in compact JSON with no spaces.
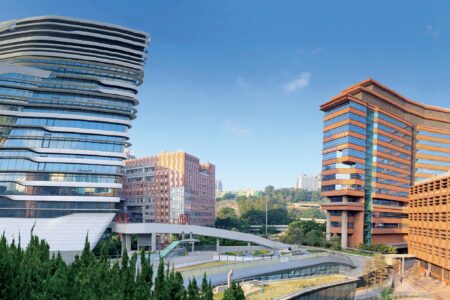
{"x":267,"y":211}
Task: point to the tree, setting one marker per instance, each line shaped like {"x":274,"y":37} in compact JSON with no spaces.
{"x":386,"y":294}
{"x":192,"y":292}
{"x":297,"y":233}
{"x":31,"y":273}
{"x":235,"y":292}
{"x":206,"y":292}
{"x":228,"y":196}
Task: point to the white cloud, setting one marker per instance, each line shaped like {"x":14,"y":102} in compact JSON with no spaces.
{"x":235,"y":128}
{"x":297,"y":83}
{"x":433,"y":32}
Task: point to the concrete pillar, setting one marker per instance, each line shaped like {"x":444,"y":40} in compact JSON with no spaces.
{"x":344,"y":229}
{"x":344,"y":199}
{"x":218,"y":246}
{"x":182,"y":236}
{"x":328,"y":230}
{"x":249,"y":247}
{"x":126,"y":243}
{"x":192,"y":244}
{"x":153,"y":242}
{"x":138,"y":242}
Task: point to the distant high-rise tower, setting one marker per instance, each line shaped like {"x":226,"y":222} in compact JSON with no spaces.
{"x":219,"y":188}
{"x":68,"y":94}
{"x":170,"y":188}
{"x":308,"y":182}
{"x":376,"y":144}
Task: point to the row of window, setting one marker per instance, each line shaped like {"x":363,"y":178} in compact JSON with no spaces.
{"x":434,"y":134}
{"x":392,"y":173}
{"x":392,"y":152}
{"x":342,"y":176}
{"x":66,"y":98}
{"x":60,"y":177}
{"x":392,"y":141}
{"x":12,"y":188}
{"x":393,"y":121}
{"x":338,"y":187}
{"x":12,"y":164}
{"x":343,"y":166}
{"x":393,"y":131}
{"x":78,"y":63}
{"x":27,"y":153}
{"x":343,"y":140}
{"x":390,"y":192}
{"x":36,"y":132}
{"x":344,"y":152}
{"x":346,"y":105}
{"x":344,"y":128}
{"x":392,"y":163}
{"x":53,"y":110}
{"x":392,"y":182}
{"x":62,"y":144}
{"x":434,"y":144}
{"x":9,"y":120}
{"x":346,"y":116}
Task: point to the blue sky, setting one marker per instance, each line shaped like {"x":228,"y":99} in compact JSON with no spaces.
{"x":239,"y":83}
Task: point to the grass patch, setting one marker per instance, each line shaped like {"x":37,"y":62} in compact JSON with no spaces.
{"x":205,"y":265}
{"x":261,"y":252}
{"x":283,"y":287}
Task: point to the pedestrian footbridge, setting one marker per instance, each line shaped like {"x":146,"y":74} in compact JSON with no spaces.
{"x":148,"y":231}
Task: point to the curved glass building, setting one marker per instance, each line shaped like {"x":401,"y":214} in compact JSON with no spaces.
{"x":67,"y":98}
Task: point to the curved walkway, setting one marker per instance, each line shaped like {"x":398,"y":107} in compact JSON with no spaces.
{"x":218,"y":275}
{"x":155,"y":228}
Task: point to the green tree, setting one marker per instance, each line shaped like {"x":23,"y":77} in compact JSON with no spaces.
{"x":192,"y":291}
{"x":235,"y":292}
{"x":160,"y":291}
{"x":206,"y":292}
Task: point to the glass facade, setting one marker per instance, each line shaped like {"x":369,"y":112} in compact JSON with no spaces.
{"x":367,"y":155}
{"x":65,"y":109}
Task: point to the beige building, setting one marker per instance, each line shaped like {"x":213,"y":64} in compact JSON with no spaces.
{"x":172,"y":187}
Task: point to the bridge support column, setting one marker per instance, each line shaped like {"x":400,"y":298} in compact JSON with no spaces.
{"x":126,"y":243}
{"x":328,"y":224}
{"x":344,"y":229}
{"x":192,"y":244}
{"x":153,"y":242}
{"x":249,"y":247}
{"x":218,"y":246}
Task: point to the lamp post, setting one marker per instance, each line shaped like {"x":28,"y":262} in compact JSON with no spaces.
{"x":267,"y":211}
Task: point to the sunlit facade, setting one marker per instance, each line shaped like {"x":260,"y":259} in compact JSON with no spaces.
{"x":376,"y":145}
{"x":67,"y":97}
{"x":171,"y":187}
{"x":429,"y":226}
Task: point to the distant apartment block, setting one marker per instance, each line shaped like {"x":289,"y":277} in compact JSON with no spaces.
{"x":429,"y":226}
{"x":376,"y":144}
{"x":170,"y":188}
{"x":219,"y":188}
{"x":308,"y":182}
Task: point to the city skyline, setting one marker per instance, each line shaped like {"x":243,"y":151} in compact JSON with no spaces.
{"x":249,"y":82}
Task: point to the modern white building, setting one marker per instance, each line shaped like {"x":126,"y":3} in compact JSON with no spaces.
{"x":308,"y":182}
{"x":67,"y":98}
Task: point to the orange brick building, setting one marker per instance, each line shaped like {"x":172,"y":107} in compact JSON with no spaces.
{"x":170,"y":188}
{"x":429,"y":225}
{"x":376,"y":144}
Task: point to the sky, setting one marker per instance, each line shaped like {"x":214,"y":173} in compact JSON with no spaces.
{"x":239,"y":83}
